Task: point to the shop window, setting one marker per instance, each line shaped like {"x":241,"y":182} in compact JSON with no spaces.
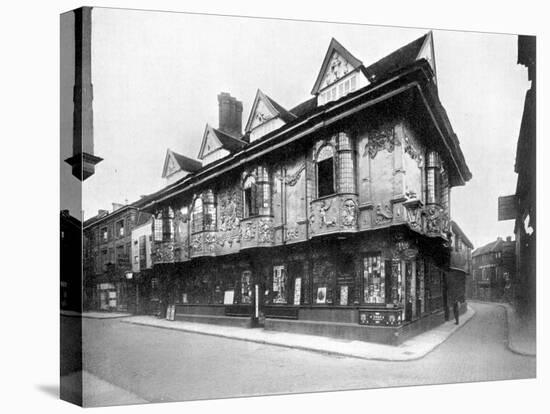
{"x":374,"y":279}
{"x":324,"y":282}
{"x":325,"y":171}
{"x":246,"y":287}
{"x":279,"y":285}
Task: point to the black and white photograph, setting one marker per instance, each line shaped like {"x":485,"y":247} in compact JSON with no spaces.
{"x":281,"y":206}
{"x":269,"y":201}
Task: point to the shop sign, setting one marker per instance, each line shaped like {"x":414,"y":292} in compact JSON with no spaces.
{"x":380,"y":318}
{"x":228,"y":297}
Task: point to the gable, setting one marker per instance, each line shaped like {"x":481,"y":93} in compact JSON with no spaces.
{"x":337,"y":68}
{"x":427,"y":52}
{"x":262,"y":111}
{"x":170,"y":164}
{"x":210,"y":142}
{"x":262,"y":114}
{"x":338,"y":63}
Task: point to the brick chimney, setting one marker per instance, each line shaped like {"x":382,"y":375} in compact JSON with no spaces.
{"x":509,"y":238}
{"x":102,"y":212}
{"x":230,"y":115}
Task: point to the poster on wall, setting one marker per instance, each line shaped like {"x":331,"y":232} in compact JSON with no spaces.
{"x":321,"y":295}
{"x":343,"y":295}
{"x":297,"y":290}
{"x":228,"y":297}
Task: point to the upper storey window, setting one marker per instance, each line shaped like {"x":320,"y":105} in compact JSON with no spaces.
{"x":203,"y":215}
{"x":256,"y":192}
{"x":197,"y":215}
{"x":325,"y":171}
{"x":250,"y":195}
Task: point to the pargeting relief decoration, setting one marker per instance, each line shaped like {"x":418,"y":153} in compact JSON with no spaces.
{"x":437,"y":221}
{"x":164,"y":253}
{"x":210,"y":242}
{"x":337,"y":68}
{"x":326,"y":220}
{"x":248,"y":231}
{"x":292,"y":179}
{"x":293,"y":233}
{"x":413,"y":153}
{"x":265,"y":231}
{"x":383,"y":214}
{"x":196,"y":244}
{"x":413,"y":214}
{"x":382,"y":139}
{"x":228,"y":212}
{"x":349,"y":213}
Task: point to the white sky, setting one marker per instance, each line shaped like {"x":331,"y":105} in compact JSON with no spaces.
{"x":157,"y":75}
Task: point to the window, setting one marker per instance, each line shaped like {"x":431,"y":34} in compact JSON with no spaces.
{"x":374,"y":279}
{"x":279,"y":284}
{"x":246,"y":288}
{"x":157,"y":228}
{"x":197,"y":216}
{"x":120,"y":228}
{"x":251,"y":194}
{"x":136,"y":259}
{"x":104,"y":234}
{"x":325,"y":171}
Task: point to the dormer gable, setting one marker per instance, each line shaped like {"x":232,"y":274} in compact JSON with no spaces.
{"x":177,"y":166}
{"x":341,"y":73}
{"x":266,"y":115}
{"x":217,"y":144}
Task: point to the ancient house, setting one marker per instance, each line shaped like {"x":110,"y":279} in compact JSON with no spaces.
{"x":331,"y":217}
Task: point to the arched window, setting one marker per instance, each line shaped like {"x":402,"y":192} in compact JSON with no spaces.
{"x":197,"y":216}
{"x":325,"y":171}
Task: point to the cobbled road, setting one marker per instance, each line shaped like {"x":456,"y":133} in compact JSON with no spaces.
{"x":165,"y":365}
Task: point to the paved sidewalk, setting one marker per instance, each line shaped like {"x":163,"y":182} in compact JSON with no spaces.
{"x":96,"y":315}
{"x":412,"y":349}
{"x":522,"y":338}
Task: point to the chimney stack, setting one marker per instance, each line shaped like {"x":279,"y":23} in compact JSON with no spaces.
{"x":102,"y":212}
{"x":230,"y":115}
{"x":509,"y":238}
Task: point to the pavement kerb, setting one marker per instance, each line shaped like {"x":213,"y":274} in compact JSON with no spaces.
{"x":418,"y":356}
{"x":509,"y":341}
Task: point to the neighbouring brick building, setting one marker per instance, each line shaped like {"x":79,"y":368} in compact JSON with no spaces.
{"x":494,"y":271}
{"x":108,"y":282}
{"x":332,"y":217}
{"x":460,"y":269}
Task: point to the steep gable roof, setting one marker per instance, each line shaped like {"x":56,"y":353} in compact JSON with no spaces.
{"x":174,"y":162}
{"x":275,"y":110}
{"x":214,"y":139}
{"x":334,"y":47}
{"x":404,"y":56}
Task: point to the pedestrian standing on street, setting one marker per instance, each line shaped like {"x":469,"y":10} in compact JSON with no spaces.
{"x":455,"y":311}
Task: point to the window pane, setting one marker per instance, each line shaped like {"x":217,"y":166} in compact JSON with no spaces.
{"x":374,"y":280}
